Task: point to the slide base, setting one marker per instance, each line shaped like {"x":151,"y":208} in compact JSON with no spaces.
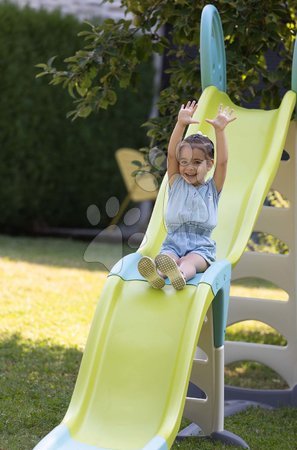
{"x":226,"y":437}
{"x":276,"y":398}
{"x":229,"y":438}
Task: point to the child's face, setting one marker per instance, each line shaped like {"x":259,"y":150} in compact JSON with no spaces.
{"x":193,"y":165}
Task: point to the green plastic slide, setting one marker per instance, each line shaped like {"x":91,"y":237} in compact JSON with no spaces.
{"x":132,"y":384}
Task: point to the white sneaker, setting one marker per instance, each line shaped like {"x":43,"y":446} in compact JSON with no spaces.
{"x":147,"y":268}
{"x":169,"y":267}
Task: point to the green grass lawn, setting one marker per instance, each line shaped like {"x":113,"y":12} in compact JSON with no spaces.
{"x":48,"y":297}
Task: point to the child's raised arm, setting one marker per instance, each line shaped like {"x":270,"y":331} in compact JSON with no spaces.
{"x":184,"y":118}
{"x":224,"y":117}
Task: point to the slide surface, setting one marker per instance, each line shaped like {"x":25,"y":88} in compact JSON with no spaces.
{"x":131,"y":387}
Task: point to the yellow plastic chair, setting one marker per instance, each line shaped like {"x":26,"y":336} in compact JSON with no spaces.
{"x":141,"y":187}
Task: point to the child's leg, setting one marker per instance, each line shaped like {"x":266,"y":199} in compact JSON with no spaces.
{"x":191,"y":264}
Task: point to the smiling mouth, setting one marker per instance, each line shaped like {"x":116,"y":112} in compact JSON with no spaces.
{"x":190,"y":178}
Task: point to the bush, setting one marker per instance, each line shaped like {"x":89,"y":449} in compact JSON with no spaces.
{"x":52,"y":169}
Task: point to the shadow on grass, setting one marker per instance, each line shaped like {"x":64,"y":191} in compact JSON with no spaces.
{"x":63,"y":252}
{"x":37,"y":380}
{"x":36,"y":384}
{"x":253,"y":375}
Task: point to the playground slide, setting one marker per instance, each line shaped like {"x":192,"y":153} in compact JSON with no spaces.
{"x":132,"y":384}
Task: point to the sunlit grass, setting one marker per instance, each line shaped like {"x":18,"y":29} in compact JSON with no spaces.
{"x":256,"y":288}
{"x":256,"y":332}
{"x":49,"y":290}
{"x":48,"y":302}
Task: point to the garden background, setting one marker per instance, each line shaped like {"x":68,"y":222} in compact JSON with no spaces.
{"x":52,"y":169}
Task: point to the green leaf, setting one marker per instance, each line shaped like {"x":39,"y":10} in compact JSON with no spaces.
{"x":85,"y":111}
{"x":137,"y":172}
{"x":51,"y":60}
{"x":81,"y":91}
{"x":41,"y":74}
{"x":42,"y":66}
{"x":70,"y":90}
{"x":137,"y":163}
{"x":111,"y":96}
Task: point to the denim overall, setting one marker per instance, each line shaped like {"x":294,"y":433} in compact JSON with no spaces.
{"x":190,"y":218}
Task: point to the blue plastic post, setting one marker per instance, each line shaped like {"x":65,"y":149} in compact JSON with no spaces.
{"x":220,"y":306}
{"x":212,"y":50}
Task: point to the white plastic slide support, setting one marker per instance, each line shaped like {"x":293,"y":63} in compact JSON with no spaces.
{"x":281,"y":271}
{"x":200,"y":410}
{"x":218,"y":421}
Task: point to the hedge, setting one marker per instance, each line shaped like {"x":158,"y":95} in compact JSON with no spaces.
{"x":51,"y":168}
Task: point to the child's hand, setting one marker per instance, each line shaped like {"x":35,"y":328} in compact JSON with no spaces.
{"x":225,"y":116}
{"x":186,"y":112}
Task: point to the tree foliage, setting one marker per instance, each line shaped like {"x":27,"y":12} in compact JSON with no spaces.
{"x":113,"y":50}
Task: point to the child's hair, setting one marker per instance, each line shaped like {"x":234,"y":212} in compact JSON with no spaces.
{"x":200,"y":141}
